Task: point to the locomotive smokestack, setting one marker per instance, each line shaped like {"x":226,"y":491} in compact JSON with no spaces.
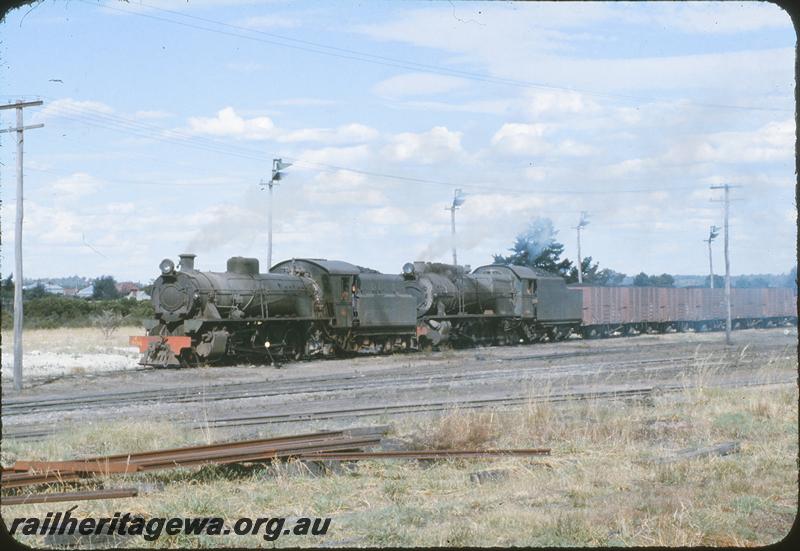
{"x":187,"y":261}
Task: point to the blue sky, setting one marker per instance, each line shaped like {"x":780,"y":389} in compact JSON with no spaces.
{"x":168,"y":114}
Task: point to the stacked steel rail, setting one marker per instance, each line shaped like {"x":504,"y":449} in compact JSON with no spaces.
{"x":27,"y":473}
{"x":347,"y":445}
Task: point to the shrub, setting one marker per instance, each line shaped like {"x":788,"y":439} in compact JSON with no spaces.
{"x":51,"y":312}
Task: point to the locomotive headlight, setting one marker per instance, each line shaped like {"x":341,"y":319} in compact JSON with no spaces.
{"x":267,"y":344}
{"x":167,"y":266}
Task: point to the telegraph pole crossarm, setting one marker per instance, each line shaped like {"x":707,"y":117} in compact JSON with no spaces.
{"x":18,"y":308}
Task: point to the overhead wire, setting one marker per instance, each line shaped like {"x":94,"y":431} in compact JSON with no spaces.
{"x":146,"y":130}
{"x":346,"y":53}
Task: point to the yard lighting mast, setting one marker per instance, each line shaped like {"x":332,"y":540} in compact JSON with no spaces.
{"x":712,"y":234}
{"x":277,"y":175}
{"x":582,"y":223}
{"x":458,"y":199}
{"x":20,"y":130}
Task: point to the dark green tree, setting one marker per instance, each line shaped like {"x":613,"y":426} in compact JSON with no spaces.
{"x":719,"y":282}
{"x":105,"y":287}
{"x":643,"y":280}
{"x":7,"y":287}
{"x":751,"y":282}
{"x":593,"y":275}
{"x":536,"y":247}
{"x":35,"y":292}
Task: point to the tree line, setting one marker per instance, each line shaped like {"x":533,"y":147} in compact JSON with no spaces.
{"x":537,"y":248}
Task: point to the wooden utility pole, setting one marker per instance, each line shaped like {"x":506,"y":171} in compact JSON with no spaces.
{"x":727,"y":199}
{"x":18,"y":315}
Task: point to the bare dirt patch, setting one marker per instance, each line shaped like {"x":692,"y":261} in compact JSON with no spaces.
{"x":85,"y":351}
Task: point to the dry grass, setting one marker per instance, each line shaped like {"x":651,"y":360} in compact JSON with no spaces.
{"x":600,"y":488}
{"x":72,"y":339}
{"x":459,"y":430}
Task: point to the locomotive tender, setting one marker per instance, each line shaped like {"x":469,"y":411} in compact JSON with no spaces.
{"x":310,"y":307}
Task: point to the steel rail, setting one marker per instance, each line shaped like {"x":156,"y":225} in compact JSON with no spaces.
{"x":42,"y":472}
{"x":425,"y":454}
{"x":300,"y":381}
{"x":69,"y":496}
{"x":287,"y":418}
{"x":295,"y":386}
{"x":464,"y":404}
{"x":427,"y":406}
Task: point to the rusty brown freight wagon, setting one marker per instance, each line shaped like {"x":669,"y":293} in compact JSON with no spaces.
{"x":631,"y":310}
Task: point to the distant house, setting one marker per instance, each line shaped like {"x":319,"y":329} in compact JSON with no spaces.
{"x":50,"y":288}
{"x":71,"y":291}
{"x":139,"y":295}
{"x":53,"y":289}
{"x":125,"y":288}
{"x":86,"y":292}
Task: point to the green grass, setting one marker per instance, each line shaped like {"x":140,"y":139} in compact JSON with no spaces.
{"x":599,"y":488}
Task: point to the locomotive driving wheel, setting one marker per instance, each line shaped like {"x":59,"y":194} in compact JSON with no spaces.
{"x":189,"y":358}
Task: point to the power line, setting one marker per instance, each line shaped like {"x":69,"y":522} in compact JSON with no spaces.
{"x":145,"y":130}
{"x":355,"y":55}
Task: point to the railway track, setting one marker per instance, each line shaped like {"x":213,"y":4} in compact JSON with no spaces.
{"x":619,"y":392}
{"x":474,"y":378}
{"x":322,"y":414}
{"x":315,"y":385}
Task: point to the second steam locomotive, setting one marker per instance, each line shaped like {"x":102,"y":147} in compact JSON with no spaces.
{"x":304,"y":308}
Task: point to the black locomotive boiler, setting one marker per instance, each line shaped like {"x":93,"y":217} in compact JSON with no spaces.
{"x":314,"y":307}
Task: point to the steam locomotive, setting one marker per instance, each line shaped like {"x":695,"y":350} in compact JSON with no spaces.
{"x":305,"y":308}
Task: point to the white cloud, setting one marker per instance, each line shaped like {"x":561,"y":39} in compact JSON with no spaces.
{"x":342,"y":188}
{"x":722,"y":17}
{"x":418,"y":84}
{"x":437,"y":144}
{"x":558,"y":102}
{"x":228,"y":123}
{"x":772,"y":142}
{"x":348,"y":133}
{"x":76,"y":185}
{"x":538,"y":44}
{"x":340,"y":156}
{"x":535,"y":174}
{"x":518,"y":138}
{"x":384,"y":216}
{"x":530,"y":139}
